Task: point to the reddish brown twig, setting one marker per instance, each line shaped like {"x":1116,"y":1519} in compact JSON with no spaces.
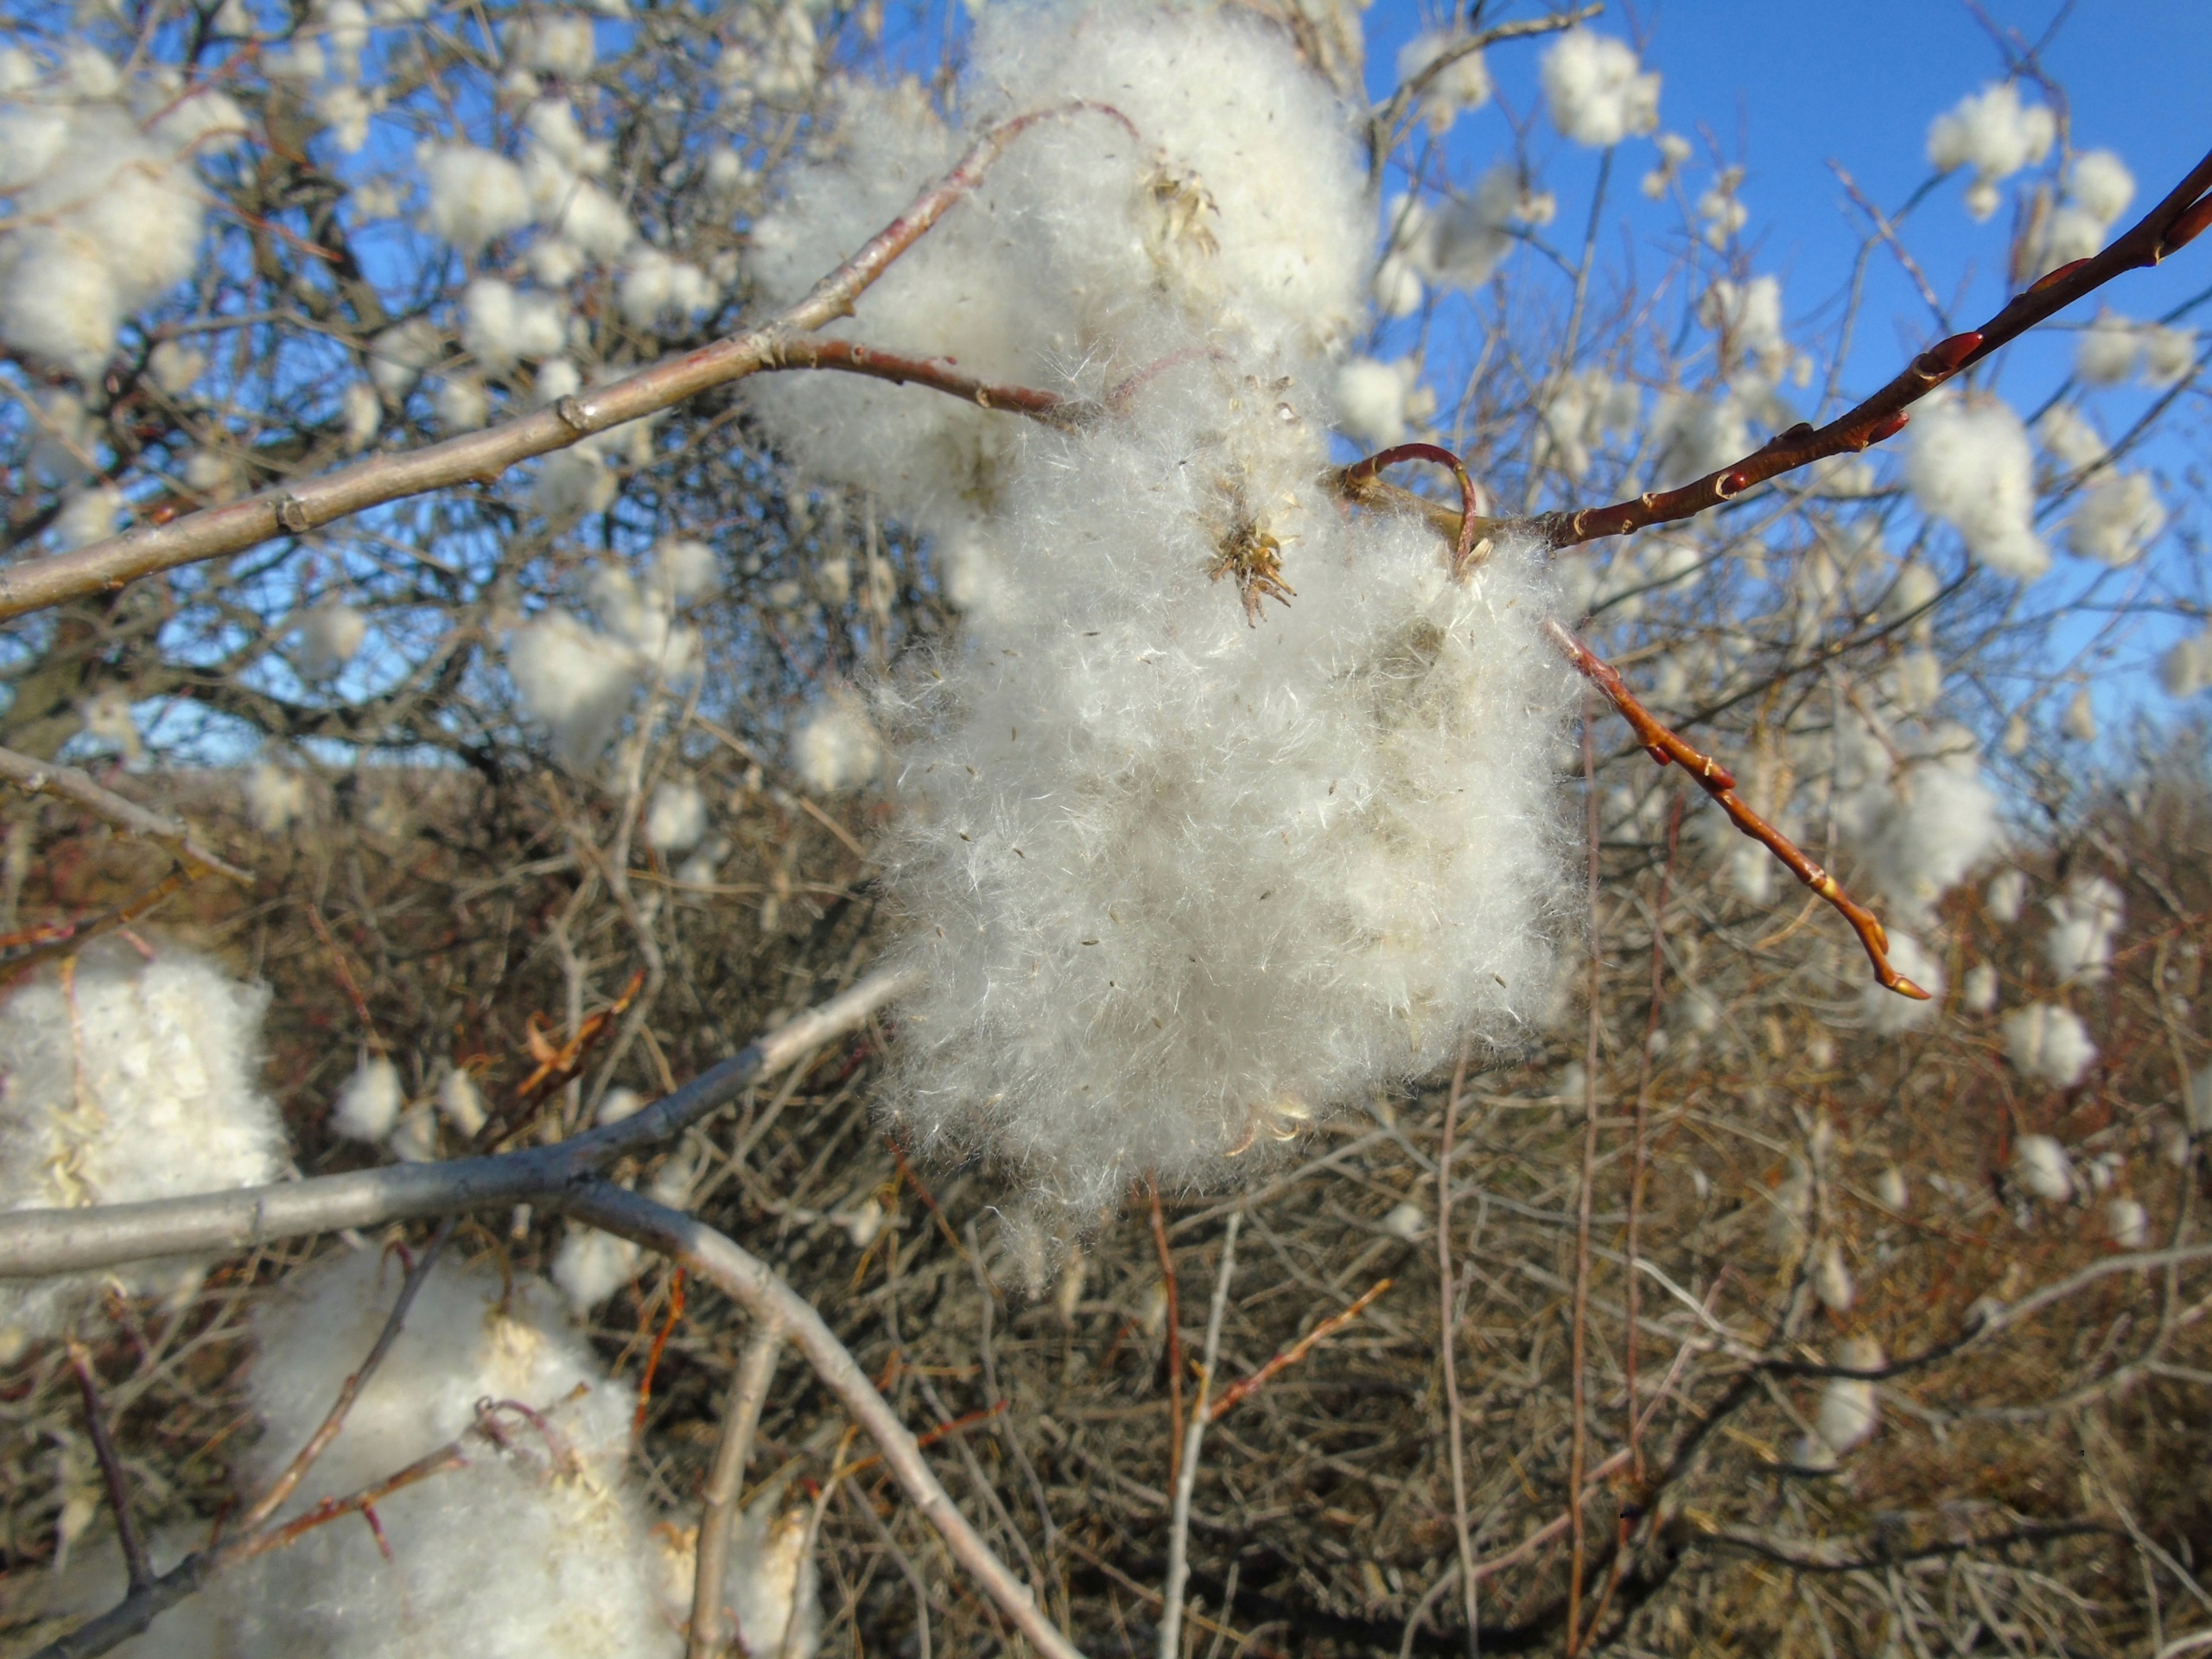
{"x":1663,"y":745}
{"x":293,"y":510}
{"x":939,"y":373}
{"x":2175,"y":222}
{"x":1237,"y":1393}
{"x":1174,"y":1337}
{"x":557,"y":1064}
{"x":118,"y":1488}
{"x":67,"y":938}
{"x":668,"y":1323}
{"x":283,"y":1487}
{"x":72,"y":783}
{"x":1358,"y":477}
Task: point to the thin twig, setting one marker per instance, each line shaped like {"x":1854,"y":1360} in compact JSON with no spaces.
{"x":1664,"y":745}
{"x":37,"y":1243}
{"x":719,"y":1261}
{"x":1174,"y":1337}
{"x":1579,"y":1449}
{"x":756,"y":1369}
{"x":118,"y":1487}
{"x":1186,"y":1481}
{"x":319,"y":1442}
{"x":293,"y":510}
{"x":76,"y":785}
{"x":1237,"y":1393}
{"x":1447,"y":1320}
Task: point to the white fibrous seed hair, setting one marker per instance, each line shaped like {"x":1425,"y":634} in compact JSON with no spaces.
{"x":1832,"y":1281}
{"x":502,"y":325}
{"x":2084,"y":919}
{"x":773,"y":1584}
{"x":535,"y":1548}
{"x":1849,"y":1412}
{"x":677,"y":817}
{"x":2185,"y":666}
{"x":1993,"y":133}
{"x":2066,"y":434}
{"x":2099,"y":187}
{"x":368,"y":1102}
{"x":1893,"y":1190}
{"x":2119,"y":517}
{"x":1235,"y":219}
{"x":686,"y":571}
{"x":1459,"y":244}
{"x":1460,"y":86}
{"x":2169,"y":354}
{"x":2006,"y":895}
{"x":276,"y":798}
{"x":1971,"y":465}
{"x":1406,"y":1221}
{"x":1598,"y":97}
{"x":2128,"y":1223}
{"x":2047,"y":1043}
{"x":1371,"y":400}
{"x":106,"y":212}
{"x":1888,"y":1013}
{"x":460,"y":1103}
{"x":2044,"y":1168}
{"x":2109,"y":350}
{"x":330,"y":635}
{"x":1978,"y":991}
{"x":591,"y":1265}
{"x":1939,"y":821}
{"x":2079,"y":719}
{"x":132,"y":1080}
{"x":579,"y":681}
{"x":475,"y":196}
{"x":835,"y":748}
{"x":1180,"y":883}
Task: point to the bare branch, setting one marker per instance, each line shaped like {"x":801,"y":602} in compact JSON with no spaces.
{"x":118,"y":1487}
{"x":74,"y":785}
{"x":35,"y":1244}
{"x":721,"y":1262}
{"x":482,"y":456}
{"x":1186,"y":1477}
{"x":756,"y":1369}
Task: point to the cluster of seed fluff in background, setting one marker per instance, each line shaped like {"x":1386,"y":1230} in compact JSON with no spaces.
{"x":125,"y":1079}
{"x":1181,"y":879}
{"x":540,"y":1544}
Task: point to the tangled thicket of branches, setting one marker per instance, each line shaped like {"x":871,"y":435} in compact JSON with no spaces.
{"x":752,"y":905}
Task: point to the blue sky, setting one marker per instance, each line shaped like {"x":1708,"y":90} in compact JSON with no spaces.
{"x":1784,"y":86}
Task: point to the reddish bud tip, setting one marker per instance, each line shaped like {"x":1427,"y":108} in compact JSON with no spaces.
{"x":2052,"y":278}
{"x":2185,"y":230}
{"x":1888,"y":426}
{"x":1732,"y":485}
{"x":1954,"y":351}
{"x":1659,"y":756}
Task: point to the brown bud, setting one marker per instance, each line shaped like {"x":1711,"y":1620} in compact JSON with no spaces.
{"x":1888,"y":427}
{"x":2052,"y":278}
{"x":2187,"y":228}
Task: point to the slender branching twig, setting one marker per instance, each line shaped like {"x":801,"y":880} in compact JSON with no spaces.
{"x":748,"y":1393}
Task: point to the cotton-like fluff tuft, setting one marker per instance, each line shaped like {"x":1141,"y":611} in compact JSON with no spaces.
{"x":369,"y":1102}
{"x":502,"y":326}
{"x":459,"y":1102}
{"x":2185,"y":666}
{"x":2109,"y":350}
{"x":330,"y":636}
{"x":2066,"y":434}
{"x":1239,"y":209}
{"x":1888,"y":1013}
{"x":2047,"y":1043}
{"x":1462,"y":242}
{"x":2079,"y":721}
{"x":2169,"y":354}
{"x":1995,"y":134}
{"x":476,"y":196}
{"x":1179,"y":882}
{"x":1970,"y":464}
{"x":686,"y":571}
{"x":536,"y":1549}
{"x":2043,"y":1168}
{"x":133,"y":1080}
{"x":1458,"y":86}
{"x":1371,"y":399}
{"x":2127,"y":1222}
{"x":1597,"y":94}
{"x":835,"y":748}
{"x":2119,"y":517}
{"x":771,"y":1583}
{"x":2098,"y":189}
{"x":591,"y":1266}
{"x":2006,"y":895}
{"x":1940,"y":823}
{"x":2083,"y":920}
{"x":107,"y":215}
{"x":1849,"y":1412}
{"x":1978,"y":991}
{"x":276,"y":798}
{"x":1832,"y":1281}
{"x":579,"y":681}
{"x":677,"y":817}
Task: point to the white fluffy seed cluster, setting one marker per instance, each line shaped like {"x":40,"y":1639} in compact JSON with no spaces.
{"x":1995,"y":134}
{"x":128,"y":1080}
{"x":540,"y":1544}
{"x":1181,"y":878}
{"x":1598,"y":93}
{"x":107,"y":207}
{"x":1971,"y":464}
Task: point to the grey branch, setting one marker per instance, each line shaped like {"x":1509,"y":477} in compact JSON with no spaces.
{"x":37,"y":1243}
{"x":707,"y":1254}
{"x":483,"y":456}
{"x":756,"y":1369}
{"x":71,"y":784}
